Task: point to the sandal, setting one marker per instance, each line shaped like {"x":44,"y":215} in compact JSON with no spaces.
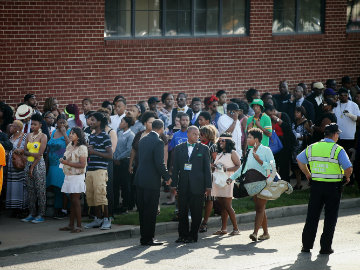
{"x":253,"y":237}
{"x":264,"y":237}
{"x":203,"y":227}
{"x":220,"y":232}
{"x":77,"y":230}
{"x":67,"y":228}
{"x":235,"y":232}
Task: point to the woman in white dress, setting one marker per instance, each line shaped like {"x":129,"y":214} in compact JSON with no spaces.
{"x":227,"y":160}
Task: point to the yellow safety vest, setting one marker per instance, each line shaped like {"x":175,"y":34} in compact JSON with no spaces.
{"x":323,"y":161}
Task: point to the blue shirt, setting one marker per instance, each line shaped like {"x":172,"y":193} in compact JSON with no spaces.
{"x":178,"y":138}
{"x":124,"y":144}
{"x":343,"y":158}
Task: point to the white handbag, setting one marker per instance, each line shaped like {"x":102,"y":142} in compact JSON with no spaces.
{"x":220,"y":177}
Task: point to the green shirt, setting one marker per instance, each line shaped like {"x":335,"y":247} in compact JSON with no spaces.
{"x":265,"y":122}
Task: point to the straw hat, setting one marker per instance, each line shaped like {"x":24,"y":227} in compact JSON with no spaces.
{"x":24,"y":111}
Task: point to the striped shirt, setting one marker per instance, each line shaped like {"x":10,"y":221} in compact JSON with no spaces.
{"x":99,"y":142}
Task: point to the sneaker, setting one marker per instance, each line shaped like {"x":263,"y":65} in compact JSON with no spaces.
{"x":106,"y":224}
{"x":95,"y":224}
{"x":38,"y":219}
{"x":28,"y":218}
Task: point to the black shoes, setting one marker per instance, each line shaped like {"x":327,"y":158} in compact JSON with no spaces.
{"x":185,"y":240}
{"x":303,"y":249}
{"x":180,"y":240}
{"x":152,"y":243}
{"x":326,"y":251}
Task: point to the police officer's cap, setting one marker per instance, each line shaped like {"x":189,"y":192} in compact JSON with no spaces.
{"x":332,"y":128}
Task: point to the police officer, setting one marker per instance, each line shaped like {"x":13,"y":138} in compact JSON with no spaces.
{"x":329,"y":165}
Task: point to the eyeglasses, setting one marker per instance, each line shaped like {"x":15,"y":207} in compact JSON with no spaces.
{"x":180,"y":99}
{"x":222,"y":140}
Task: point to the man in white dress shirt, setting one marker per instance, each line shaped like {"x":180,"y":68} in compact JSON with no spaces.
{"x":119,"y":109}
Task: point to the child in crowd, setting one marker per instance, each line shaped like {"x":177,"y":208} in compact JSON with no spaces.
{"x":86,"y":106}
{"x":74,"y":169}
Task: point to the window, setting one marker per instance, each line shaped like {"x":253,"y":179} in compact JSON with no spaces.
{"x":172,"y":18}
{"x":298,"y":16}
{"x":353,"y":15}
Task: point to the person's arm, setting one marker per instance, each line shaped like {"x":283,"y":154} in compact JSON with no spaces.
{"x":113,"y":138}
{"x":236,"y":160}
{"x":166,"y":153}
{"x":107,"y":155}
{"x":82,"y":159}
{"x":302,"y":163}
{"x":267,"y":128}
{"x":158,"y":156}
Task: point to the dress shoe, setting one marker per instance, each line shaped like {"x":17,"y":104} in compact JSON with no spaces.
{"x":303,"y":249}
{"x":190,"y":240}
{"x":180,"y":240}
{"x":326,"y":251}
{"x":152,"y":243}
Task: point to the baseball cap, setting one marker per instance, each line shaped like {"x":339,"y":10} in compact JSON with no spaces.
{"x":318,"y":85}
{"x":329,"y":92}
{"x":257,"y":101}
{"x":332,"y":128}
{"x":153,"y":100}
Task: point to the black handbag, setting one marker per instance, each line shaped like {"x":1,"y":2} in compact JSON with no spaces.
{"x":239,"y":190}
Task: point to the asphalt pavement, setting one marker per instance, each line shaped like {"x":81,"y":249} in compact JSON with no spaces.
{"x":280,"y":252}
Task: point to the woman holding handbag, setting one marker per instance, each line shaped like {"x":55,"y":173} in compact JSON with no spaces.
{"x":259,"y":159}
{"x":228,"y":161}
{"x":16,"y":195}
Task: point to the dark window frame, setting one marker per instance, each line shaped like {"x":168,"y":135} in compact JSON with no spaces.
{"x":296,"y":30}
{"x":192,"y":24}
{"x":348,"y":23}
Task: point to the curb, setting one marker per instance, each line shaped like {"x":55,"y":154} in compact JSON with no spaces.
{"x":166,"y":227}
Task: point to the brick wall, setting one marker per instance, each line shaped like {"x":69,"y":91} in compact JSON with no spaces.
{"x":57,"y":48}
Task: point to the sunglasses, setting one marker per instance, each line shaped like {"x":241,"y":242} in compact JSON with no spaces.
{"x":222,"y":140}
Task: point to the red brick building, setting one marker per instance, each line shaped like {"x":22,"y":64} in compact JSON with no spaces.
{"x":57,"y":48}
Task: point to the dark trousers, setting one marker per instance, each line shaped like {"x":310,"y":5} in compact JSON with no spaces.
{"x":322,"y":194}
{"x":194,"y":203}
{"x":283,"y":161}
{"x":122,"y":181}
{"x":347,"y":144}
{"x":147,"y":202}
{"x":109,"y":188}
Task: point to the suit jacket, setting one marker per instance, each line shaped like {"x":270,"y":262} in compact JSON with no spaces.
{"x":174,"y":112}
{"x":317,"y":108}
{"x":151,"y":163}
{"x":198,"y":179}
{"x":309,"y":107}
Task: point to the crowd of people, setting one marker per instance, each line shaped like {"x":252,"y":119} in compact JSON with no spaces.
{"x":90,"y":162}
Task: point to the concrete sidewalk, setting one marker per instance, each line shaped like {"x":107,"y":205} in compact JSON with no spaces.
{"x":19,"y":237}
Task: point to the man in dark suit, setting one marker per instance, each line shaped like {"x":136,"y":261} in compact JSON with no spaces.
{"x":192,"y":177}
{"x":298,"y":100}
{"x":148,"y":181}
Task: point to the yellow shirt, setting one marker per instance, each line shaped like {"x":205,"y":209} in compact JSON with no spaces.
{"x":33,"y":147}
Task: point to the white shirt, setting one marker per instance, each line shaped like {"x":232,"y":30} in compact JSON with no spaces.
{"x":347,"y":126}
{"x":190,"y":149}
{"x":83,"y":120}
{"x":116,"y":120}
{"x":319,"y":100}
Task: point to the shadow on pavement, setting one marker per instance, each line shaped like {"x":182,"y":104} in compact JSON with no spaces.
{"x":304,"y":262}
